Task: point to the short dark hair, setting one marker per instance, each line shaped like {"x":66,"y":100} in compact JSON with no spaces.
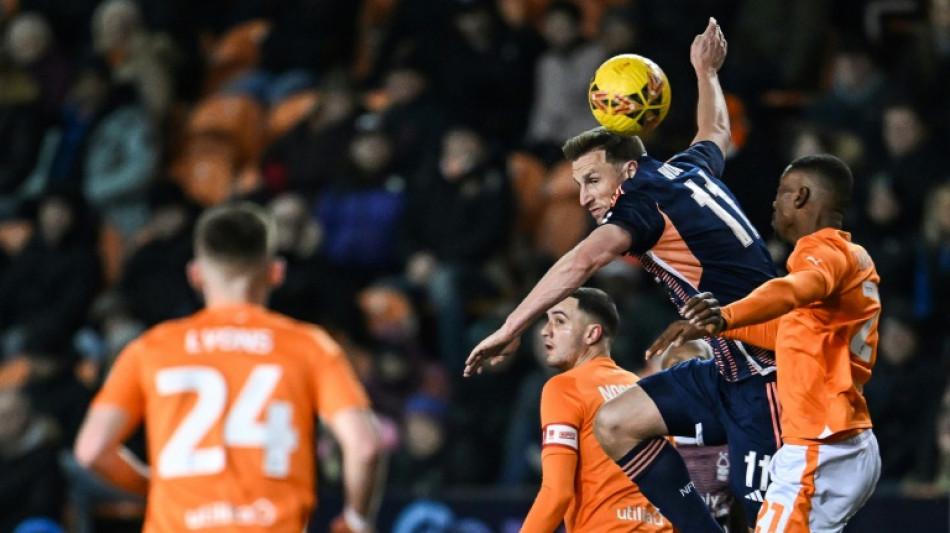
{"x":832,"y":173}
{"x":596,"y":304}
{"x":617,"y":148}
{"x":240,"y":235}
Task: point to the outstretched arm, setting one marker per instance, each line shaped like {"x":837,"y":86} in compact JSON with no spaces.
{"x":602,"y":246}
{"x":712,"y":117}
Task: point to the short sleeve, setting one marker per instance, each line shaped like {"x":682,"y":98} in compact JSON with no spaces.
{"x":124,"y":387}
{"x":561,"y":416}
{"x":337,"y":386}
{"x":815,"y":253}
{"x":638,"y":214}
{"x":705,"y":155}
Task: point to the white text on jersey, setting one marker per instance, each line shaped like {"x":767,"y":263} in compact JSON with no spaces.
{"x":610,"y":391}
{"x":229,"y":339}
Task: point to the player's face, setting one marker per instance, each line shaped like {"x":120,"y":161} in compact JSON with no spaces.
{"x":563,"y":334}
{"x":783,"y":208}
{"x":599,"y":182}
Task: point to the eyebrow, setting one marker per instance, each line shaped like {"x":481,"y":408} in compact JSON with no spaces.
{"x":562,"y":313}
{"x":586,"y":175}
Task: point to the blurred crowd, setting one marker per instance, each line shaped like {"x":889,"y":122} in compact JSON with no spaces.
{"x":409,"y":152}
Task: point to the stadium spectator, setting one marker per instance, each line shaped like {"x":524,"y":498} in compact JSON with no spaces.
{"x":30,"y":44}
{"x":153,"y":285}
{"x":562,"y":78}
{"x":49,"y":286}
{"x":32,"y":484}
{"x":904,"y":396}
{"x":457,"y":220}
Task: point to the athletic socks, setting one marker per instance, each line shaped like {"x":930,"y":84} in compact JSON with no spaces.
{"x":658,"y":469}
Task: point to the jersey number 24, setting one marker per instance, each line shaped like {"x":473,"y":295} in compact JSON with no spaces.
{"x":276,"y":436}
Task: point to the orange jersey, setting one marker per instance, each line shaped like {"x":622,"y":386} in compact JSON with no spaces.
{"x":229,"y":396}
{"x":826,"y":344}
{"x":604,"y":499}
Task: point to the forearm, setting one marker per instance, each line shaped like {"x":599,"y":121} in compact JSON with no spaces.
{"x":557,"y":490}
{"x":363,"y":479}
{"x":547,"y":511}
{"x":761,"y":335}
{"x":124,"y":470}
{"x":566,"y":276}
{"x":712,"y":115}
{"x":774,"y":298}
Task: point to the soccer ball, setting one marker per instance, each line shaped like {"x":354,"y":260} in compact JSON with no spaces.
{"x":629,"y":95}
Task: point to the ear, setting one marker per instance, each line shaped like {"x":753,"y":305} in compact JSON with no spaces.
{"x":629,"y":169}
{"x":594,"y":333}
{"x":276,"y":272}
{"x":195,"y":274}
{"x":804,"y":194}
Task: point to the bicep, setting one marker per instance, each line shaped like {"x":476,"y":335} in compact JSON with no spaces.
{"x":606,"y":243}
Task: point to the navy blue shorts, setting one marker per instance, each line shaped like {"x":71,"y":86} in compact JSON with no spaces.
{"x":696,"y":401}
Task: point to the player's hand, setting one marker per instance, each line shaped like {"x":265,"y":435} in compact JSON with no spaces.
{"x":339,"y":525}
{"x":703,"y":317}
{"x":675,"y":334}
{"x":703,"y":310}
{"x":494,"y":349}
{"x":709,"y":49}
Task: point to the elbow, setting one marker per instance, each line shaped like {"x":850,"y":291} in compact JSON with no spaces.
{"x":87,"y":454}
{"x":585,"y":262}
{"x":366,"y":451}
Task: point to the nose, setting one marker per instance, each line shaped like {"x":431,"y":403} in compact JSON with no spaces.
{"x":546,"y":330}
{"x":585,"y":198}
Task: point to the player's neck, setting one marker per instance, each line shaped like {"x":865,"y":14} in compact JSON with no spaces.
{"x":819,"y":221}
{"x":233,"y":295}
{"x":592,"y":352}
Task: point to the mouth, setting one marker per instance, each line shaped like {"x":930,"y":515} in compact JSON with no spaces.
{"x":594,"y":212}
{"x":548,"y":346}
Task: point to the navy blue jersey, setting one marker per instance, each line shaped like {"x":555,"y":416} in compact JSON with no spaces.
{"x":689,"y":232}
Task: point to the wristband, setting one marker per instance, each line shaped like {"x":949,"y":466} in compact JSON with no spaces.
{"x":355,"y":521}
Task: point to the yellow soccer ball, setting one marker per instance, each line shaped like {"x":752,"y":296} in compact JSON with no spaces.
{"x":629,"y":95}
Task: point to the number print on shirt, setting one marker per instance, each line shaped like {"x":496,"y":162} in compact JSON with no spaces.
{"x":859,"y":342}
{"x":276,"y":435}
{"x":710,"y":195}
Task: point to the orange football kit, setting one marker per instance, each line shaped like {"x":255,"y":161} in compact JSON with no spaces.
{"x":229,"y":398}
{"x":603,"y":498}
{"x":821,"y":320}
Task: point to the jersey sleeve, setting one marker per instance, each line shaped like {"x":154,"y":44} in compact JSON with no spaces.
{"x":337,"y":386}
{"x":124,"y":387}
{"x":762,"y":335}
{"x":561,"y":417}
{"x":813,"y":253}
{"x":705,"y":155}
{"x":636,"y":213}
{"x":816,"y":267}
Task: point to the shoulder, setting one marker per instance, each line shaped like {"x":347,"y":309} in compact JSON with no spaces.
{"x":560,"y":388}
{"x":312,"y":337}
{"x":704,"y":155}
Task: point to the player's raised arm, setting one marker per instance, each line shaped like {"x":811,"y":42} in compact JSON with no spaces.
{"x":602,"y":246}
{"x":707,"y":55}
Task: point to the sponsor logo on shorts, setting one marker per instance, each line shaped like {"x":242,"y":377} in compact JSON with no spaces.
{"x":755,"y":496}
{"x":641,"y":514}
{"x":220,"y":514}
{"x":689,"y":487}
